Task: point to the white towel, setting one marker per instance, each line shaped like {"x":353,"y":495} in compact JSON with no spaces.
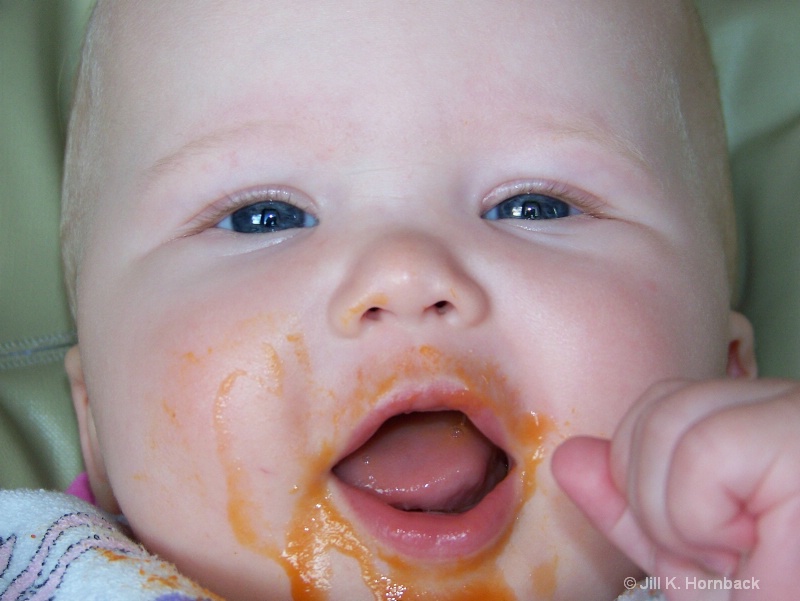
{"x":55,"y":546}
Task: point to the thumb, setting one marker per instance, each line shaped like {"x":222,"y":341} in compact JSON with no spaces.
{"x":581,"y":466}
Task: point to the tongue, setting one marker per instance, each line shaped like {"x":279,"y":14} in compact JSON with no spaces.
{"x":436,"y":462}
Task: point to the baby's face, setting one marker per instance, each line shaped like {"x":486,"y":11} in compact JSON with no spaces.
{"x":315,"y":217}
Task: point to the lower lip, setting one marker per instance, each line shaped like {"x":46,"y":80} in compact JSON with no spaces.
{"x":436,"y":536}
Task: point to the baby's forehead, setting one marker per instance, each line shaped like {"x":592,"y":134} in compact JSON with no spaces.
{"x":351,"y":49}
{"x":150,"y":25}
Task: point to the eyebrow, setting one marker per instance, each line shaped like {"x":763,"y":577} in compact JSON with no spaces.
{"x":199,"y":146}
{"x":582,"y":129}
{"x":619,"y":144}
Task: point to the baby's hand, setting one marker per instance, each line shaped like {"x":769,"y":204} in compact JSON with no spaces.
{"x":700,"y":480}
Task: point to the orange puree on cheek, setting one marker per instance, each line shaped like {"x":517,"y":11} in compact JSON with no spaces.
{"x":543,"y":578}
{"x":318,"y":528}
{"x":240,"y":508}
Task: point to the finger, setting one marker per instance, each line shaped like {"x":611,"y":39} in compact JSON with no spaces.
{"x":622,"y":442}
{"x":580,"y":466}
{"x":659,"y":428}
{"x":642,"y":448}
{"x":743,"y":462}
{"x":774,"y":563}
{"x":676,"y":576}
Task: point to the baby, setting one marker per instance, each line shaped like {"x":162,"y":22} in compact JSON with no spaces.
{"x":354,"y":282}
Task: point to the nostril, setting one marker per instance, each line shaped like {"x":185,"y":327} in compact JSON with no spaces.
{"x":440,"y":308}
{"x":443,"y":307}
{"x":373,"y":313}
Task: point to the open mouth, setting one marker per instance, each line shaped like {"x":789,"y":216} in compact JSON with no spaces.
{"x":434,"y":461}
{"x":430,"y":483}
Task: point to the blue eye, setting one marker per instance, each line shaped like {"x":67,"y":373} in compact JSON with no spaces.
{"x":266,"y":217}
{"x":531,"y":207}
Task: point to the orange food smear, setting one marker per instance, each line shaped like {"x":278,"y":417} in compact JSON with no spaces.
{"x":241,"y":508}
{"x":300,"y":350}
{"x":166,"y":581}
{"x":544,"y":578}
{"x":169,"y":579}
{"x":357,"y":310}
{"x":170,"y":412}
{"x":274,"y":368}
{"x":113,"y":556}
{"x":317,"y":527}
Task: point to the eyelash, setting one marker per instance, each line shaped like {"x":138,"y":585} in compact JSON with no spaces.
{"x":583,"y":202}
{"x":266,"y":217}
{"x":575,"y":199}
{"x":275,"y":198}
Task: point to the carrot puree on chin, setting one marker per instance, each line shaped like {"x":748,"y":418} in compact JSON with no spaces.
{"x":318,"y":528}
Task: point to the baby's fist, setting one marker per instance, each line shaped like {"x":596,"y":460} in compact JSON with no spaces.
{"x":701,"y":479}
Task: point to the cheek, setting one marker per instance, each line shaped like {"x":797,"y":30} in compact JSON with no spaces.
{"x":596,"y":333}
{"x":198,"y":419}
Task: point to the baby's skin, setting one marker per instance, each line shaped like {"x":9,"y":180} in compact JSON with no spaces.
{"x":347,"y":274}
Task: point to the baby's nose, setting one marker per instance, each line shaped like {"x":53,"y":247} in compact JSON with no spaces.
{"x":406,"y":278}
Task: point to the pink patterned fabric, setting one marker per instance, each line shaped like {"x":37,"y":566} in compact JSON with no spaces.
{"x":57,"y":546}
{"x":80,"y":488}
